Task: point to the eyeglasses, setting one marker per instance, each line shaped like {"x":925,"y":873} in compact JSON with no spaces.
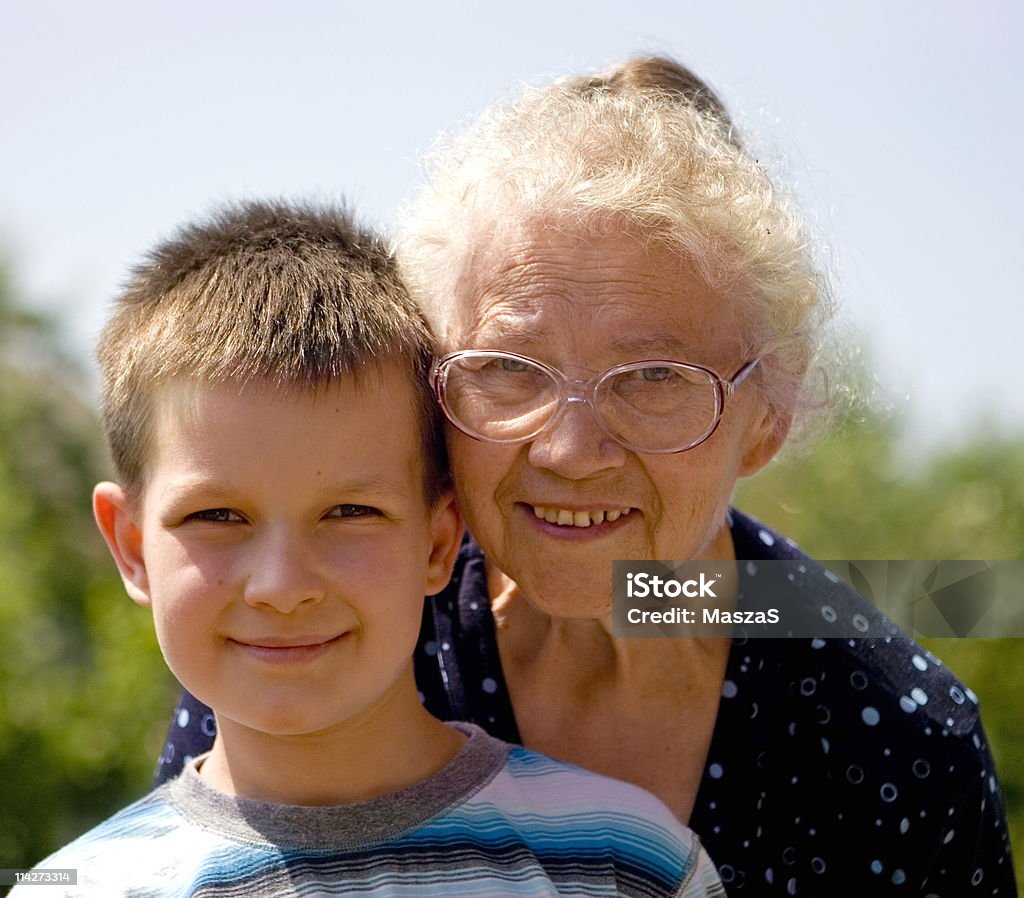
{"x":652,"y":406}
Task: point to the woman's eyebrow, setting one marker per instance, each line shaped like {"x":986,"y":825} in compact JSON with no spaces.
{"x":653,"y":345}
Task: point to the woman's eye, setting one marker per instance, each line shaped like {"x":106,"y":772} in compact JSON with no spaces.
{"x":216,"y":516}
{"x":352,"y":511}
{"x":513,"y":365}
{"x":655,"y":374}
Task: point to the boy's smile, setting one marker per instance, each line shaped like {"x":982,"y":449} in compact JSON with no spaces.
{"x":285,"y":544}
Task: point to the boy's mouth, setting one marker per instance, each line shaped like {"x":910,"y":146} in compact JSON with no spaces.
{"x":288,"y":649}
{"x":287,"y":642}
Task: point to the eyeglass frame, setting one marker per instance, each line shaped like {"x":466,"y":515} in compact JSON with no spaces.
{"x":586,"y":391}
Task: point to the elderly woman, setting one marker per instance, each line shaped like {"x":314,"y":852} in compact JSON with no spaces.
{"x":628,"y":310}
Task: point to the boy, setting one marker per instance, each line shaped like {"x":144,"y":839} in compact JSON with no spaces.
{"x":283,"y":506}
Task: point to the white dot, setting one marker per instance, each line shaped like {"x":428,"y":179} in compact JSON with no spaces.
{"x":818,"y":643}
{"x":870,"y":716}
{"x":908,"y":704}
{"x":716,"y":772}
{"x":490,"y":685}
{"x":423,"y":698}
{"x":751,"y":568}
{"x":769,"y":875}
{"x":919,"y":663}
{"x":445,"y":646}
{"x":876,"y":866}
{"x":791,"y":886}
{"x":904,"y":824}
{"x":919,"y":695}
{"x":729,"y":689}
{"x":183,"y":718}
{"x":830,"y":576}
{"x":766,"y":537}
{"x":898,"y":877}
{"x":949,"y":837}
{"x":474,"y":606}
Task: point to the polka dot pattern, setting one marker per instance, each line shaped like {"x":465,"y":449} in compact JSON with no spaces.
{"x":853,"y":766}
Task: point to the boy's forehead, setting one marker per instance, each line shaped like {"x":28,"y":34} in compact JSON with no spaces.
{"x":183,"y":398}
{"x":213,"y":421}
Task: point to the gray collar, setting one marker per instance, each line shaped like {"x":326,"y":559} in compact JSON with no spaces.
{"x":343,"y":826}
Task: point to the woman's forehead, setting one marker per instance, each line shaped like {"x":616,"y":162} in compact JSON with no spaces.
{"x":635,"y":296}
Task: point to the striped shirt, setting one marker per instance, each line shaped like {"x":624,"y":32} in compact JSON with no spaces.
{"x":496,"y":821}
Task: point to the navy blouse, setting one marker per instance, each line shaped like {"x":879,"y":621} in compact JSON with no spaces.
{"x":836,"y":766}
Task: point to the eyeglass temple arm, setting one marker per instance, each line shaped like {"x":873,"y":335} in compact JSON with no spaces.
{"x":741,"y":375}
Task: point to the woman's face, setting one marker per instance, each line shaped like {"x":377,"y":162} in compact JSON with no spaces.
{"x":582,"y":304}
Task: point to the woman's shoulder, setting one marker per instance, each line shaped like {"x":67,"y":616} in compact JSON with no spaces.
{"x":888,"y":665}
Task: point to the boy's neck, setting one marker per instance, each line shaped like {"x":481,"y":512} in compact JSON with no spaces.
{"x":388,"y":748}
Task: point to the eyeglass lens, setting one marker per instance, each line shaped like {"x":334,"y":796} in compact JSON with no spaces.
{"x":655,"y":407}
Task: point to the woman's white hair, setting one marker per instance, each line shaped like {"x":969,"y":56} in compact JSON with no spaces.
{"x":646,"y":148}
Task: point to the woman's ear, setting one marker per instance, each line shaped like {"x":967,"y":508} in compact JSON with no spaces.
{"x":446,"y":537}
{"x":116,"y":518}
{"x":765,"y":437}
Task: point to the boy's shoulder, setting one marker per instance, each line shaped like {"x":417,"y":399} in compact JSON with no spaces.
{"x":110,"y":858}
{"x":576,"y":819}
{"x":497,"y":819}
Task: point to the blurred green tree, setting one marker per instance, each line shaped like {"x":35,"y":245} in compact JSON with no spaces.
{"x":82,"y":686}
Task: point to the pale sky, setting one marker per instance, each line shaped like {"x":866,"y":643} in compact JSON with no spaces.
{"x":898,"y":124}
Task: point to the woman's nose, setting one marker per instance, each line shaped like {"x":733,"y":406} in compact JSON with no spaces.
{"x":574,"y":444}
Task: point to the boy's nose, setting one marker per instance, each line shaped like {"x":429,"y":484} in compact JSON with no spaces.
{"x":283,"y":575}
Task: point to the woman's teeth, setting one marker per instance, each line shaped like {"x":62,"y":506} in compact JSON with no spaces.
{"x":567,"y":518}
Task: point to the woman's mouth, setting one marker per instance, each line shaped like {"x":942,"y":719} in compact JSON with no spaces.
{"x":567,"y":517}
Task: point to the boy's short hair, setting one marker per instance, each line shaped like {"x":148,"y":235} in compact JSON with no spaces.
{"x":296,"y":294}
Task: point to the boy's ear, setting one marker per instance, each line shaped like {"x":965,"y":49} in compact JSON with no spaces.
{"x":117,"y":522}
{"x":446,"y":537}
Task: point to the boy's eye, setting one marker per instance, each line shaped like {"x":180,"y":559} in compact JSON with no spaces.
{"x":216,"y":516}
{"x":352,"y":511}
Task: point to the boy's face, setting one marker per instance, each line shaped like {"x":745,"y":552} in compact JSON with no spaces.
{"x":285,"y":545}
